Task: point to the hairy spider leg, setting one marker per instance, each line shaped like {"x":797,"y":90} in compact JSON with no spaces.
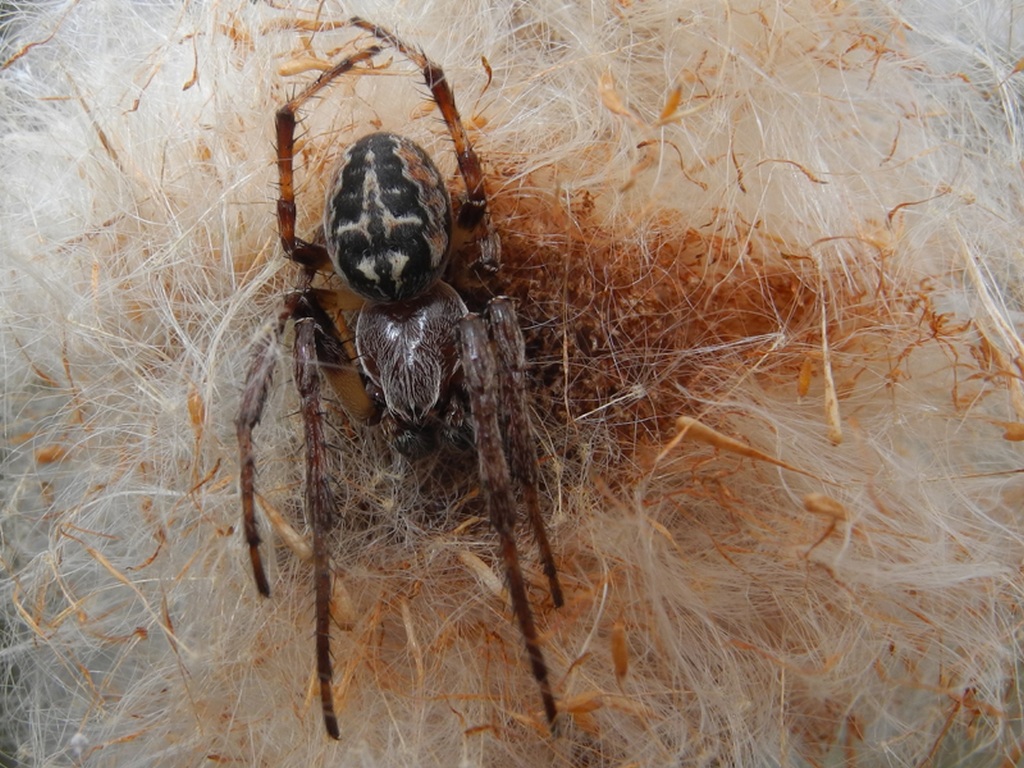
{"x":481,"y":373}
{"x":507,"y":340}
{"x":254,"y":396}
{"x":320,"y":504}
{"x":316,"y":347}
{"x":309,"y":255}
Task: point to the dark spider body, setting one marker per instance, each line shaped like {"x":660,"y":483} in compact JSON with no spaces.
{"x":387,"y":226}
{"x":422,"y":366}
{"x":388,"y":219}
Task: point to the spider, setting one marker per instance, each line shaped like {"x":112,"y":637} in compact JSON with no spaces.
{"x":422,"y":367}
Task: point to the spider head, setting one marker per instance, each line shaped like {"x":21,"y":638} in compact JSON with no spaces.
{"x":388,"y":219}
{"x":408,"y":354}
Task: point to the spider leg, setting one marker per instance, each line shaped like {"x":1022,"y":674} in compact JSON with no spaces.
{"x":308,"y":254}
{"x":254,"y":397}
{"x":473,"y":213}
{"x":320,"y":505}
{"x":337,"y":352}
{"x":481,"y":374}
{"x":507,"y":339}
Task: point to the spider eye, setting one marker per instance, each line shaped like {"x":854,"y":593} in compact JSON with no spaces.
{"x":388,"y":218}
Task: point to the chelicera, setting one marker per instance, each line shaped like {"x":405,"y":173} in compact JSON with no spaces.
{"x":422,"y":366}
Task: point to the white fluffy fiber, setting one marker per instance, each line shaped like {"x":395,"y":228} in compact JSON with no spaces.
{"x":797,"y":223}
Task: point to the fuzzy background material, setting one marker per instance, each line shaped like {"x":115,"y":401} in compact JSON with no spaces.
{"x":767,"y":257}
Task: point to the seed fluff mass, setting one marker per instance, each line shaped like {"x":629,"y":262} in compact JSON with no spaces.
{"x":766,"y":257}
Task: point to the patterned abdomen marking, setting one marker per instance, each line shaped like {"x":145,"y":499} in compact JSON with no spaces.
{"x":388,"y":218}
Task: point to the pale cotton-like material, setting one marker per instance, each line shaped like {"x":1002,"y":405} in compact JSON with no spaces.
{"x":767,"y":258}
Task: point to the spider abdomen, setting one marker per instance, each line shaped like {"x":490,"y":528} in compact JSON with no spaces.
{"x":388,"y":218}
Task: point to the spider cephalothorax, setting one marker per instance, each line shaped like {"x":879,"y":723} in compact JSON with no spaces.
{"x":409,"y":357}
{"x":428,"y":370}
